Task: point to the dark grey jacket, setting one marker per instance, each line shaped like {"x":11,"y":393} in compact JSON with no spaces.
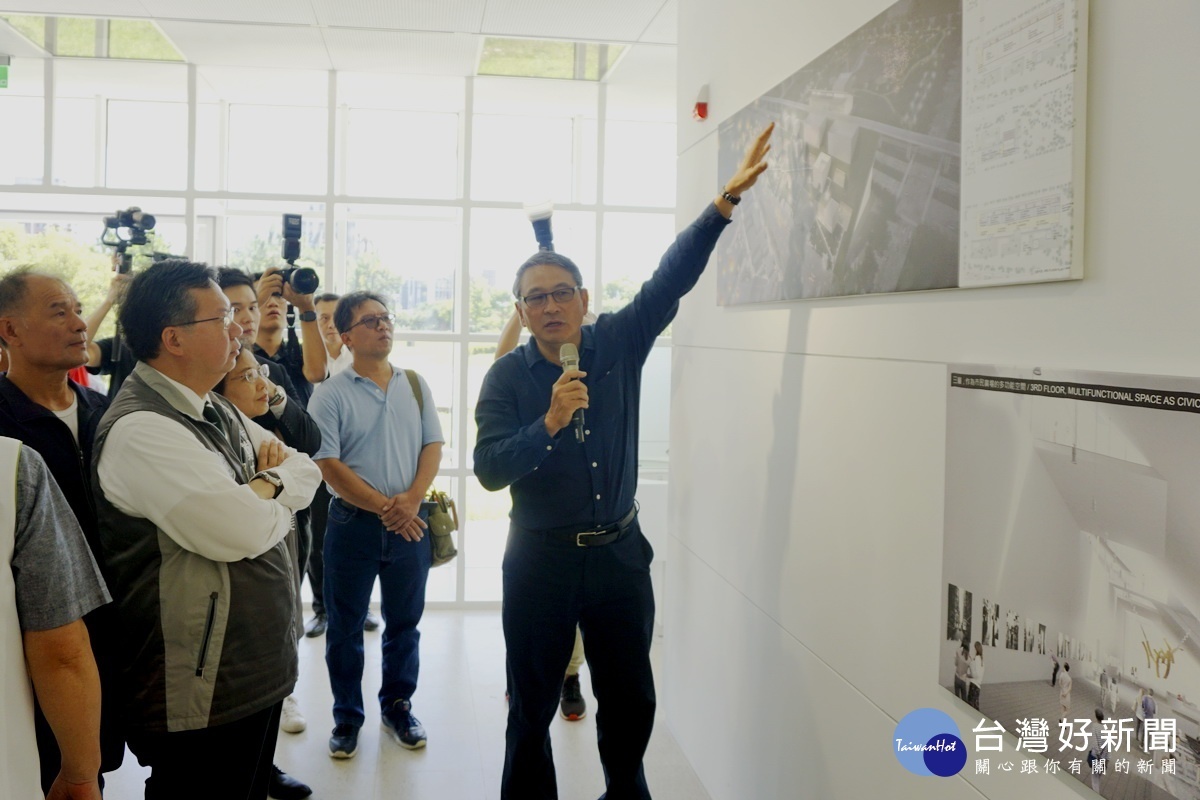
{"x":203,"y":642}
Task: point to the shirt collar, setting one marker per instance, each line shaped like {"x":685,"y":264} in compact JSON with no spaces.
{"x":181,"y":398}
{"x":533,"y":355}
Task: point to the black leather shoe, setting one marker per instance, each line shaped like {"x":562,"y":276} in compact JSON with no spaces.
{"x":284,"y":787}
{"x":371,"y":623}
{"x":316,"y":626}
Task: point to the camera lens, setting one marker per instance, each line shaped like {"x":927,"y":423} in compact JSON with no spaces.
{"x":303,"y":279}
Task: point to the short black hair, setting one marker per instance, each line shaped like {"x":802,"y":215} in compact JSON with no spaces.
{"x":327,"y":297}
{"x":343,"y":315}
{"x":161,"y":297}
{"x":547,"y":257}
{"x":231,"y":276}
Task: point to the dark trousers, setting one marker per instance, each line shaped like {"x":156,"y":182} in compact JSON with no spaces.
{"x":960,"y":688}
{"x":231,"y":761}
{"x":550,"y":585}
{"x":316,"y":558}
{"x":357,"y":549}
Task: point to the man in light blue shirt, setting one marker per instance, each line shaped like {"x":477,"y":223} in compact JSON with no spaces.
{"x":380,"y":451}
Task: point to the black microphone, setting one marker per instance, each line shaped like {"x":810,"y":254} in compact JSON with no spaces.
{"x":568,"y":354}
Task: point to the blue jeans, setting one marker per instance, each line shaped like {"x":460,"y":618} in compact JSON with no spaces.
{"x":357,"y":549}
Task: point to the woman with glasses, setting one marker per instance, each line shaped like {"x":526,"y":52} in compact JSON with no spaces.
{"x":247,"y":387}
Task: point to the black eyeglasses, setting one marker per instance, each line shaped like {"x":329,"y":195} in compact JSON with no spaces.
{"x":560,"y":296}
{"x":226,"y":320}
{"x":373,"y":322}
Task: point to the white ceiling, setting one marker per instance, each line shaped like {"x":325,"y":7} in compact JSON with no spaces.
{"x":420,"y":37}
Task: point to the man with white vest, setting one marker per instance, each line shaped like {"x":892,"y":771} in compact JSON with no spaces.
{"x":51,"y":582}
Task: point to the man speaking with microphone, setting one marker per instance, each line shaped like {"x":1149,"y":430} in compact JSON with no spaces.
{"x":575,"y":553}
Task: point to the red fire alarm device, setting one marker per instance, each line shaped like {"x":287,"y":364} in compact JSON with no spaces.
{"x":700,"y":110}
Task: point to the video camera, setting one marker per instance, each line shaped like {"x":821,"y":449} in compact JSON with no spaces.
{"x":303,"y":279}
{"x":125,"y":228}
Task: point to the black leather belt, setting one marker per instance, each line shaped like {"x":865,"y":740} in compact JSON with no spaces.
{"x":597,"y":537}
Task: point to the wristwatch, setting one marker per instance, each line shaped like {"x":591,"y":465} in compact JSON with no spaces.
{"x":273,"y":479}
{"x":308,"y":316}
{"x":277,"y":398}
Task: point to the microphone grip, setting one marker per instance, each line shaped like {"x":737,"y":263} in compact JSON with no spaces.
{"x":577,"y":420}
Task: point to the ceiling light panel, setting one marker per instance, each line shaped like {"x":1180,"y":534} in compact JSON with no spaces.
{"x":610,"y":21}
{"x":464,"y":16}
{"x":413,"y":53}
{"x":279,"y":12}
{"x":248,"y":45}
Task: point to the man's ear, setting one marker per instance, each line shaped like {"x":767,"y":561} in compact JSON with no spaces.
{"x":345,"y":337}
{"x":8,"y":330}
{"x":583,"y":293}
{"x":172,"y":340}
{"x":521,"y":314}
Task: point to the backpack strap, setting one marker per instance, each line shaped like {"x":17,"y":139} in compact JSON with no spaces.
{"x":414,"y":380}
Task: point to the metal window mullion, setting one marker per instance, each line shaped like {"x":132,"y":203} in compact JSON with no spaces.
{"x":601,"y":125}
{"x":102,"y":37}
{"x":189,"y":199}
{"x":330,"y":174}
{"x":463,"y":333}
{"x":100,"y":162}
{"x":48,"y":92}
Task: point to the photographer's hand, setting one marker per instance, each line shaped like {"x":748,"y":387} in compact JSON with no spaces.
{"x":269,"y":285}
{"x":302,"y":302}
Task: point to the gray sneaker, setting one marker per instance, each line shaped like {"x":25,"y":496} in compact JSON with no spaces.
{"x":402,"y":726}
{"x":344,"y":741}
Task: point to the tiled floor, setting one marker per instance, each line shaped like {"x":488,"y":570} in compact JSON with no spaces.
{"x":461,"y":704}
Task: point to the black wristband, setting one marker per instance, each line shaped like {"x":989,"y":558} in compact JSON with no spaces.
{"x":733,"y":201}
{"x":308,"y":316}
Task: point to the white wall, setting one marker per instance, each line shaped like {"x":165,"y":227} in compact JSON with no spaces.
{"x":807,"y":453}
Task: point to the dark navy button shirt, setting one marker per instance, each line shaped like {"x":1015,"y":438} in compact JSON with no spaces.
{"x":555,"y":481}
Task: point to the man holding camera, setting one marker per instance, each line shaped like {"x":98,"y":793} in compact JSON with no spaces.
{"x":196,"y":505}
{"x":576,"y":554}
{"x":109,"y":356}
{"x":304,"y":360}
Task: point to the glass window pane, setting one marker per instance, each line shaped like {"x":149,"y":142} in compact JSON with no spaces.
{"x":501,"y":240}
{"x":254,"y":242}
{"x":523,"y":159}
{"x":633,"y":245}
{"x":23,"y":109}
{"x":412,"y":259}
{"x":208,"y":152}
{"x":74,"y":142}
{"x":139,"y":159}
{"x":23,"y":152}
{"x":654,"y":427}
{"x":76,"y":37}
{"x":401,"y":154}
{"x":639,"y":164}
{"x":32,"y":28}
{"x":276,"y":149}
{"x":485,"y":532}
{"x":132,"y":38}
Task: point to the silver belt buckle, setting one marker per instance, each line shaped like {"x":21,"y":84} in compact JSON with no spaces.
{"x":579,"y":537}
